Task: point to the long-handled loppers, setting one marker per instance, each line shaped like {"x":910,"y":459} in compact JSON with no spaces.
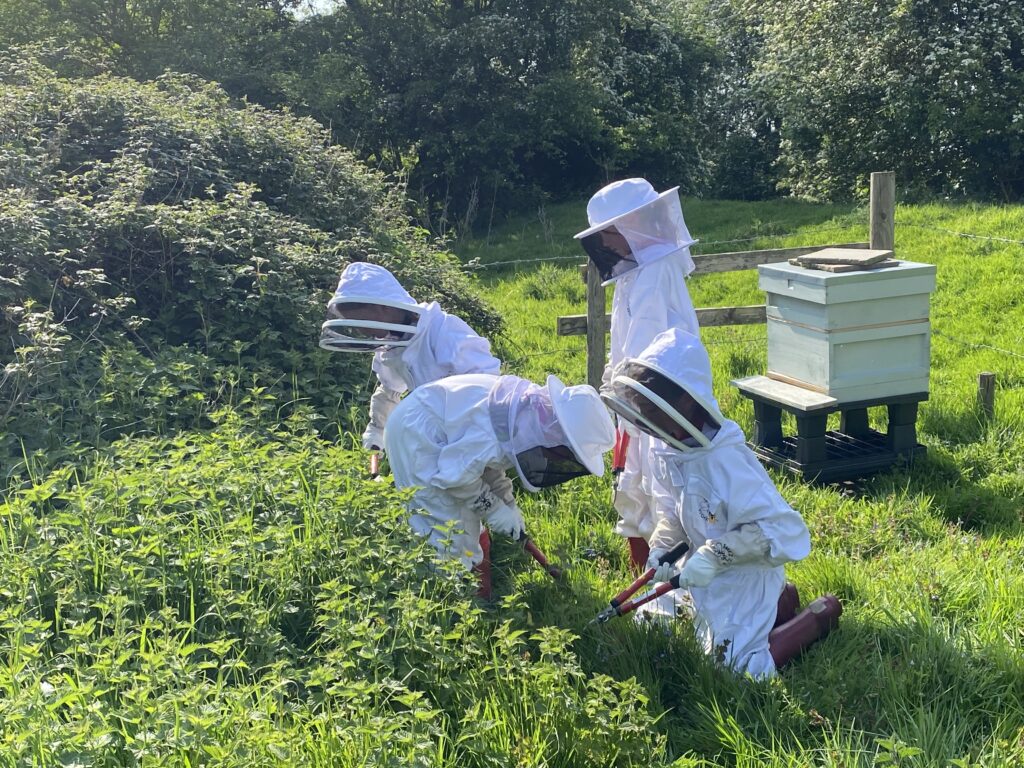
{"x":534,"y":551}
{"x":619,"y":458}
{"x":622,"y":604}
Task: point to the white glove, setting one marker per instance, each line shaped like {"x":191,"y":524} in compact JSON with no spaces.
{"x":373,"y":438}
{"x":700,"y":569}
{"x":662,"y":571}
{"x":507,"y":519}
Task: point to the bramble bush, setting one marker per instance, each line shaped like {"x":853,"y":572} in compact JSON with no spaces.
{"x":247,"y":597}
{"x":163,"y":247}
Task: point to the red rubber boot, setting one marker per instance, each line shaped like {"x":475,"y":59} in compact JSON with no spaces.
{"x":820,"y":617}
{"x":483,"y":568}
{"x":789,"y":604}
{"x":639,"y":551}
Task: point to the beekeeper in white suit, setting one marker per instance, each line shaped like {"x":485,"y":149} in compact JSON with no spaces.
{"x":412,"y":343}
{"x":639,"y":243}
{"x":713,"y":493}
{"x":448,"y":440}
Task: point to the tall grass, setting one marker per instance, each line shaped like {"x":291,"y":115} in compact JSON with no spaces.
{"x":926,"y":668}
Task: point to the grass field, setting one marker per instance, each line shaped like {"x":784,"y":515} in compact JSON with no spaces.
{"x":248,"y":597}
{"x":927,"y":666}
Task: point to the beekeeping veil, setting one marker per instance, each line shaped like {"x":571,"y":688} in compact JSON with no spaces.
{"x":551,"y":434}
{"x":347,"y":328}
{"x":630,"y":225}
{"x":674,"y":362}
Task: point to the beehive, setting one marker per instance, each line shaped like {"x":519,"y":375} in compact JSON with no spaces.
{"x":852,"y":335}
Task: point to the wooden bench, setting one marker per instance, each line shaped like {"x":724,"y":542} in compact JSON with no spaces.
{"x":815,"y":453}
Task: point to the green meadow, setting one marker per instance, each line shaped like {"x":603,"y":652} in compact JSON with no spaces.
{"x":246,"y":596}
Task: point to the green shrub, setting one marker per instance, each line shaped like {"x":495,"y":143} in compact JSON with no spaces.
{"x":158,"y":239}
{"x":233,"y":598}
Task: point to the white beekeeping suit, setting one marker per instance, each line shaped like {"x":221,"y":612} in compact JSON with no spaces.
{"x":647,"y":259}
{"x":714,"y":494}
{"x":449,"y":438}
{"x":439,"y":345}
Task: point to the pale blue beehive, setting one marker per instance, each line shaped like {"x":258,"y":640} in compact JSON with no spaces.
{"x":852,"y":335}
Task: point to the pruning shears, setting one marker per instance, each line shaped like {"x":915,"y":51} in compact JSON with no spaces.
{"x":621,"y":604}
{"x":374,"y":465}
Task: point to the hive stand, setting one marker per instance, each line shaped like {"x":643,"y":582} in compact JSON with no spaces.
{"x":824,"y":456}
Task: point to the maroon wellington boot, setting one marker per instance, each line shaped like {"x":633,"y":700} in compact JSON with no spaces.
{"x":639,"y":551}
{"x":789,"y":604}
{"x":788,"y":640}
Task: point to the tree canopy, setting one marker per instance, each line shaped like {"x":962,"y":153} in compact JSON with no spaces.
{"x":494,"y":105}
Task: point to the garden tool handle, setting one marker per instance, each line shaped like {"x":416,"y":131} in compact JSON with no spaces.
{"x":654,"y":594}
{"x":671,"y":556}
{"x":553,"y":570}
{"x":374,"y":464}
{"x":619,"y":453}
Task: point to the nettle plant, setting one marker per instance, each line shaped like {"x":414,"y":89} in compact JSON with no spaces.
{"x":159,"y":240}
{"x":233,"y":598}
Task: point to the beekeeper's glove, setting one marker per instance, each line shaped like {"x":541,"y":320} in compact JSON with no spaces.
{"x":373,"y":438}
{"x":506,"y":519}
{"x":700,"y":569}
{"x":662,"y":571}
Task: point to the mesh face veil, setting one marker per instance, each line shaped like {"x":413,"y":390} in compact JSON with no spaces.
{"x":353,"y":327}
{"x":609,"y":252}
{"x":638,"y":404}
{"x":632,"y":225}
{"x":544,"y":467}
{"x":528,"y":430}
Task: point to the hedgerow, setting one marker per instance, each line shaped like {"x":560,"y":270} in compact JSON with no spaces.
{"x":164,"y":248}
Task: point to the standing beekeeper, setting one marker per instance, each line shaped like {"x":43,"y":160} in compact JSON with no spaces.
{"x":715,"y":495}
{"x":639,"y":243}
{"x":449,"y":439}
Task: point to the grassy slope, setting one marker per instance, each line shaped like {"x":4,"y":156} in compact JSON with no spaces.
{"x":927,"y":667}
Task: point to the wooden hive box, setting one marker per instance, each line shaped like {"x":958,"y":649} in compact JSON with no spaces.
{"x":851,"y":335}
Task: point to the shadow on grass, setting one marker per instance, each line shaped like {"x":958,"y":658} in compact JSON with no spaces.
{"x":951,"y":483}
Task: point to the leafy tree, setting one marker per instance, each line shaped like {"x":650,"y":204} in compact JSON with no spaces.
{"x":740,"y":137}
{"x":930,"y":89}
{"x":500,"y":101}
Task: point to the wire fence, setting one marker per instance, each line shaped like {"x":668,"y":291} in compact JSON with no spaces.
{"x":478,"y":267}
{"x":474,"y":266}
{"x":976,"y":345}
{"x":759,"y":340}
{"x":967,"y":235}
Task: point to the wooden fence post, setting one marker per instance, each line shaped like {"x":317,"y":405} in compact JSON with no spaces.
{"x":987,"y":394}
{"x":882,"y":219}
{"x":596,"y":328}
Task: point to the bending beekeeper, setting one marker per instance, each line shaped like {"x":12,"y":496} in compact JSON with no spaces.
{"x":713,"y":493}
{"x":412,"y":343}
{"x":449,"y":439}
{"x":639,"y":242}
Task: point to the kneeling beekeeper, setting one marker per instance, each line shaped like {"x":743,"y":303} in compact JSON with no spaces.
{"x":713,"y":493}
{"x":452,"y":438}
